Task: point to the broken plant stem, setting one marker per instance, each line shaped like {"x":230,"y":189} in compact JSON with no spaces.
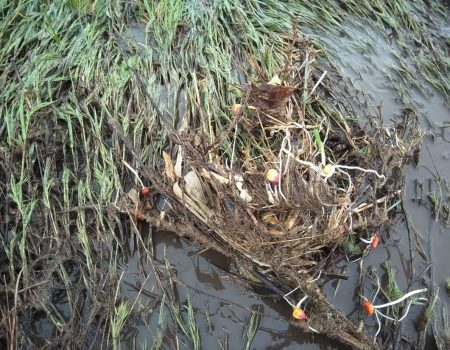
{"x":134,"y":172}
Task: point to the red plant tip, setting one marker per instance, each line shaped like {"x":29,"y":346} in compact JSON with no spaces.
{"x":273,"y":176}
{"x":375,"y":241}
{"x":298,"y":314}
{"x":370,"y":309}
{"x":144,"y":192}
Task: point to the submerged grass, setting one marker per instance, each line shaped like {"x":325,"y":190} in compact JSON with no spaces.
{"x":252,"y":327}
{"x":79,"y":93}
{"x":118,"y":319}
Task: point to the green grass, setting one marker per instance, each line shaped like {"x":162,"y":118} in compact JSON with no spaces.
{"x":392,"y":289}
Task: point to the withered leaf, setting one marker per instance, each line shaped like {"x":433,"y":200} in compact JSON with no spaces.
{"x":270,"y":96}
{"x":170,"y":172}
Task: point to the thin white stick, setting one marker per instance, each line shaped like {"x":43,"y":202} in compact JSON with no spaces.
{"x":133,"y":171}
{"x":270,"y":194}
{"x":406,"y":312}
{"x":379,"y":328}
{"x":367,"y":241}
{"x":280,"y":159}
{"x":289,"y":293}
{"x":399,"y":300}
{"x":315,"y":331}
{"x":286,"y":167}
{"x":316,"y":169}
{"x":301,"y":301}
{"x":318,"y":82}
{"x":361,"y":169}
{"x":364,"y":206}
{"x":353,"y":261}
{"x":292,"y":291}
{"x":385,"y":316}
{"x":303,"y":162}
{"x":378,"y":289}
{"x":289,"y":302}
{"x":350,"y":183}
{"x":350,"y":225}
{"x":318,"y":276}
{"x":226,"y":164}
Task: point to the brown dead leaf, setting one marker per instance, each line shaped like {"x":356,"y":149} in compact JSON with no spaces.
{"x":271,"y":96}
{"x":170,"y":172}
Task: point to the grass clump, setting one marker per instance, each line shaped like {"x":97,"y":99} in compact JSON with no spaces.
{"x":118,"y":319}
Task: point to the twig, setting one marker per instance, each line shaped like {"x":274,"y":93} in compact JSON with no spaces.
{"x":318,"y":83}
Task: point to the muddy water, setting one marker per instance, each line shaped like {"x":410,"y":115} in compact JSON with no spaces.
{"x":406,"y":243}
{"x":203,"y":277}
{"x":215,"y":294}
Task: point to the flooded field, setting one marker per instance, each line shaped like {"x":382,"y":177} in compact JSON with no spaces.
{"x":416,"y":245}
{"x":78,"y":257}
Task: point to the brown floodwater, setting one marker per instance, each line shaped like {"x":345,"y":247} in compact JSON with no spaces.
{"x":203,"y":277}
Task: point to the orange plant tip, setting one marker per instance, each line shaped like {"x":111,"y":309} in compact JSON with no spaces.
{"x":273,"y":176}
{"x":375,"y":241}
{"x":236,"y":109}
{"x":144,"y":192}
{"x":370,"y":309}
{"x":298,"y":314}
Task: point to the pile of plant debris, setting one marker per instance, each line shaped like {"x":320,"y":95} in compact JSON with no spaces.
{"x":298,"y":181}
